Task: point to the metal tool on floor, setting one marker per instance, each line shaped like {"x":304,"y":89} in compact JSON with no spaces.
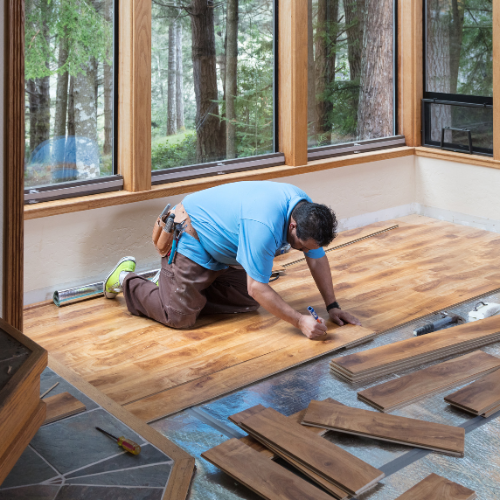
{"x":439,"y":324}
{"x":484,"y":310}
{"x":123,"y":442}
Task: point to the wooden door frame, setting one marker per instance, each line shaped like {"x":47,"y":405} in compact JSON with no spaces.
{"x":13,"y":237}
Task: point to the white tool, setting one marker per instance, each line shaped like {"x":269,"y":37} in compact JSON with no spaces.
{"x":484,"y":310}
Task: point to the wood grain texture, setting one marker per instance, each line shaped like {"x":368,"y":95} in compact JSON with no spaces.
{"x":50,"y":208}
{"x":496,"y":80}
{"x":61,"y":406}
{"x":386,"y":280}
{"x":382,"y":360}
{"x":435,"y":487}
{"x":324,"y":458}
{"x":414,"y":386}
{"x":237,"y":418}
{"x":264,"y":477}
{"x":20,"y":441}
{"x":409,"y":431}
{"x":478,"y":160}
{"x":134,"y":95}
{"x":478,"y":397}
{"x":292,"y":88}
{"x":13,"y":160}
{"x":411,"y":85}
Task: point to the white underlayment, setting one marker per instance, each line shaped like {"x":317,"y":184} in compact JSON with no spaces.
{"x":73,"y":249}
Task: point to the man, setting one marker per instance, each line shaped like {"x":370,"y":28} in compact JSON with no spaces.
{"x":224,"y":259}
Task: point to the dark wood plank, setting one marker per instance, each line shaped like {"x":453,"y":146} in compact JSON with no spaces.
{"x":61,"y":406}
{"x":407,"y":353}
{"x":478,"y":397}
{"x":262,"y":476}
{"x":435,"y":487}
{"x":414,"y":386}
{"x":408,"y":431}
{"x":326,"y":459}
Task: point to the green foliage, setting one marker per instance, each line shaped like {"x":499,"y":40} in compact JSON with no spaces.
{"x":87,"y":34}
{"x":167,"y":154}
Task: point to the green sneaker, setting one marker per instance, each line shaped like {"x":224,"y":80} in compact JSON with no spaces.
{"x":156,"y":278}
{"x":112,"y":286}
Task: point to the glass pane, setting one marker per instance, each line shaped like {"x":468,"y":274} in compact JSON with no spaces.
{"x":351,"y":84}
{"x":459,"y":47}
{"x":456,"y":121}
{"x":69,"y":90}
{"x":211,"y":81}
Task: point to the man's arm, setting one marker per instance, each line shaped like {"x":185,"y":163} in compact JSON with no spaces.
{"x":272,"y":302}
{"x":320,"y":270}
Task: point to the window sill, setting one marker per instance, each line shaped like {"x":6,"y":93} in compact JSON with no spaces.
{"x":439,"y":154}
{"x":91,"y":202}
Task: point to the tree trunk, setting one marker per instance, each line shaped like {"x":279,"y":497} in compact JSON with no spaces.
{"x":231,"y":76}
{"x":43,"y":84}
{"x":179,"y":103}
{"x":108,"y":89}
{"x":33,"y":107}
{"x":211,"y":140}
{"x":71,"y":107}
{"x":376,"y":103}
{"x":171,"y":118}
{"x":311,"y":86}
{"x":354,"y":17}
{"x":456,"y":34}
{"x":62,"y":91}
{"x":326,"y":54}
{"x":438,"y":64}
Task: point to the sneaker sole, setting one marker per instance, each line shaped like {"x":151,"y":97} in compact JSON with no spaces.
{"x":111,"y":295}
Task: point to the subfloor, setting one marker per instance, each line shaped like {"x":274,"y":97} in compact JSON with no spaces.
{"x":199,"y":428}
{"x":408,"y":272}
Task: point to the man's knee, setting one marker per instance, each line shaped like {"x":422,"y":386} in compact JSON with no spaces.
{"x":180,"y":321}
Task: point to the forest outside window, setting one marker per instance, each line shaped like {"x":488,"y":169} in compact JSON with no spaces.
{"x":69,"y":95}
{"x":457,"y":109}
{"x":212,"y":82}
{"x":351,"y":76}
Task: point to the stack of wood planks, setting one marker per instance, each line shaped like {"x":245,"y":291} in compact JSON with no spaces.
{"x":435,"y":487}
{"x":410,"y":353}
{"x":480,"y":398}
{"x":410,"y":388}
{"x":408,"y":431}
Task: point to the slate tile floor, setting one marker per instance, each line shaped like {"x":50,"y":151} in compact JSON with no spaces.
{"x":70,"y":459}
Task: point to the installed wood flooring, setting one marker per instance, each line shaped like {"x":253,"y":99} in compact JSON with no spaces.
{"x":422,"y":266}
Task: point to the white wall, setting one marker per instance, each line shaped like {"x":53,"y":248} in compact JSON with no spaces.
{"x":78,"y":248}
{"x":2,"y":59}
{"x":457,"y":192}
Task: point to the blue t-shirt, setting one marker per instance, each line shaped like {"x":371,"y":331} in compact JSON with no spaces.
{"x":243,"y":223}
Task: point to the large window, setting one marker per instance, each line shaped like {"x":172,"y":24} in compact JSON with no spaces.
{"x":68,"y":93}
{"x":458,"y":97}
{"x":351,"y":71}
{"x":212,"y":81}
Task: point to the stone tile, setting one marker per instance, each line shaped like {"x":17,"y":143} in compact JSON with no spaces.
{"x":48,"y":378}
{"x":154,"y":476}
{"x":29,"y":469}
{"x":10,"y":347}
{"x":38,"y":492}
{"x":149,"y":455}
{"x":74,"y":442}
{"x":97,"y":493}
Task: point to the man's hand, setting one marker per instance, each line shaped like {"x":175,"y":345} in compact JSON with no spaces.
{"x":342,"y":317}
{"x":311,"y":328}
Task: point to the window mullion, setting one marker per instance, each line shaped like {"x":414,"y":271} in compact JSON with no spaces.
{"x":496,"y":81}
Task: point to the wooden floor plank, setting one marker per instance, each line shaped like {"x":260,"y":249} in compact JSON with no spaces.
{"x":264,"y":477}
{"x":408,"y":431}
{"x":326,"y":459}
{"x":414,"y":386}
{"x":435,"y":487}
{"x":61,"y":406}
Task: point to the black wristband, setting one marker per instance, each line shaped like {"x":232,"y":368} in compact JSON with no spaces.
{"x":333,"y":305}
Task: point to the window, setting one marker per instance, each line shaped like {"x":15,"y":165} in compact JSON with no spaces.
{"x":212,"y":84}
{"x":69,"y":96}
{"x":351,"y":90}
{"x":457,"y":109}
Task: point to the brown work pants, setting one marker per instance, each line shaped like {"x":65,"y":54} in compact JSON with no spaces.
{"x":187,"y":290}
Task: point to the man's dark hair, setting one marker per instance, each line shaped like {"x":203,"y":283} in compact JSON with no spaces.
{"x":315,"y":221}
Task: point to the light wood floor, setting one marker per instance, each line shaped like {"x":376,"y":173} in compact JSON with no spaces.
{"x":387,"y":280}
